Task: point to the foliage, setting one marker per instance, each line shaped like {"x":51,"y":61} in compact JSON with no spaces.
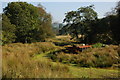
{"x":95,"y":57}
{"x":78,"y":21}
{"x":114,"y":26}
{"x":0,"y":29}
{"x":107,"y":30}
{"x":118,"y":8}
{"x":32,"y":23}
{"x":84,"y":25}
{"x":97,"y":45}
{"x":8,"y":30}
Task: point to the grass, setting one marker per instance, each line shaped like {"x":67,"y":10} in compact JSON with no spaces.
{"x":93,"y":73}
{"x":32,"y":61}
{"x":18,"y":62}
{"x":93,"y":57}
{"x":79,"y":72}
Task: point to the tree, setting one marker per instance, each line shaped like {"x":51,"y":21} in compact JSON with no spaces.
{"x":24,"y":17}
{"x":114,"y":21}
{"x":78,"y":22}
{"x":0,"y":21}
{"x":107,"y":29}
{"x":101,"y":32}
{"x":118,"y":8}
{"x":8,"y":30}
{"x":32,"y":23}
{"x":45,"y":24}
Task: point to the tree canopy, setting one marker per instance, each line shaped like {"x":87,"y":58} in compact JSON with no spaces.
{"x":84,"y":22}
{"x":32,"y":23}
{"x":8,"y":30}
{"x":77,"y":22}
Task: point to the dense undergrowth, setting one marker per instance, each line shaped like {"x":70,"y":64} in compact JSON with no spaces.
{"x":94,"y":57}
{"x":18,"y":62}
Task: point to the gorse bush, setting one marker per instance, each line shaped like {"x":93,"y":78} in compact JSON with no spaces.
{"x":18,"y":62}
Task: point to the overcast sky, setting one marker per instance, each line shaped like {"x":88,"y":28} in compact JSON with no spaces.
{"x":58,"y":9}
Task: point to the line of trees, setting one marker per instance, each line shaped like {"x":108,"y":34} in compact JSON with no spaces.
{"x":84,"y":23}
{"x":23,"y":22}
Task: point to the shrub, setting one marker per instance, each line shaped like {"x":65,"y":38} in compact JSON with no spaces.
{"x":95,"y":57}
{"x":97,"y":45}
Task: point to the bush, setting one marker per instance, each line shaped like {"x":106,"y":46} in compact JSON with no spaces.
{"x":95,"y":57}
{"x":97,"y":45}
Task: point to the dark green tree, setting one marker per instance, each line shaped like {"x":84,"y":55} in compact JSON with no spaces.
{"x":101,"y":31}
{"x":118,"y":8}
{"x":107,"y":29}
{"x":32,"y":23}
{"x":24,"y":17}
{"x":78,"y":22}
{"x":8,"y":30}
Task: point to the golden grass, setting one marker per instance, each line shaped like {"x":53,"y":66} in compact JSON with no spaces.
{"x":18,"y":62}
{"x":26,"y":61}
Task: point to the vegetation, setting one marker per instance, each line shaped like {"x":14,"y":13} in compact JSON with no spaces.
{"x":17,"y":57}
{"x":84,"y":22}
{"x":8,"y":30}
{"x":94,"y":57}
{"x":98,"y":45}
{"x":31,"y":24}
{"x":18,"y":62}
{"x":78,"y":21}
{"x":30,"y":48}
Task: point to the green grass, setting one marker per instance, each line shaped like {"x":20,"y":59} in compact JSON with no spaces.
{"x":79,"y":72}
{"x":93,"y":72}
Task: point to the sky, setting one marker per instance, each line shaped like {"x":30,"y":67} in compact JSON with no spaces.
{"x":58,"y":9}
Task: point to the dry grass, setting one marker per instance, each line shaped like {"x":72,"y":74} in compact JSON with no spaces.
{"x":31,"y":49}
{"x":0,"y":61}
{"x":63,"y":36}
{"x":18,"y":62}
{"x":94,"y":57}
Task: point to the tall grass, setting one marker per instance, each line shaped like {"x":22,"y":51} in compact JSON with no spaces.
{"x":18,"y":62}
{"x":94,"y":57}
